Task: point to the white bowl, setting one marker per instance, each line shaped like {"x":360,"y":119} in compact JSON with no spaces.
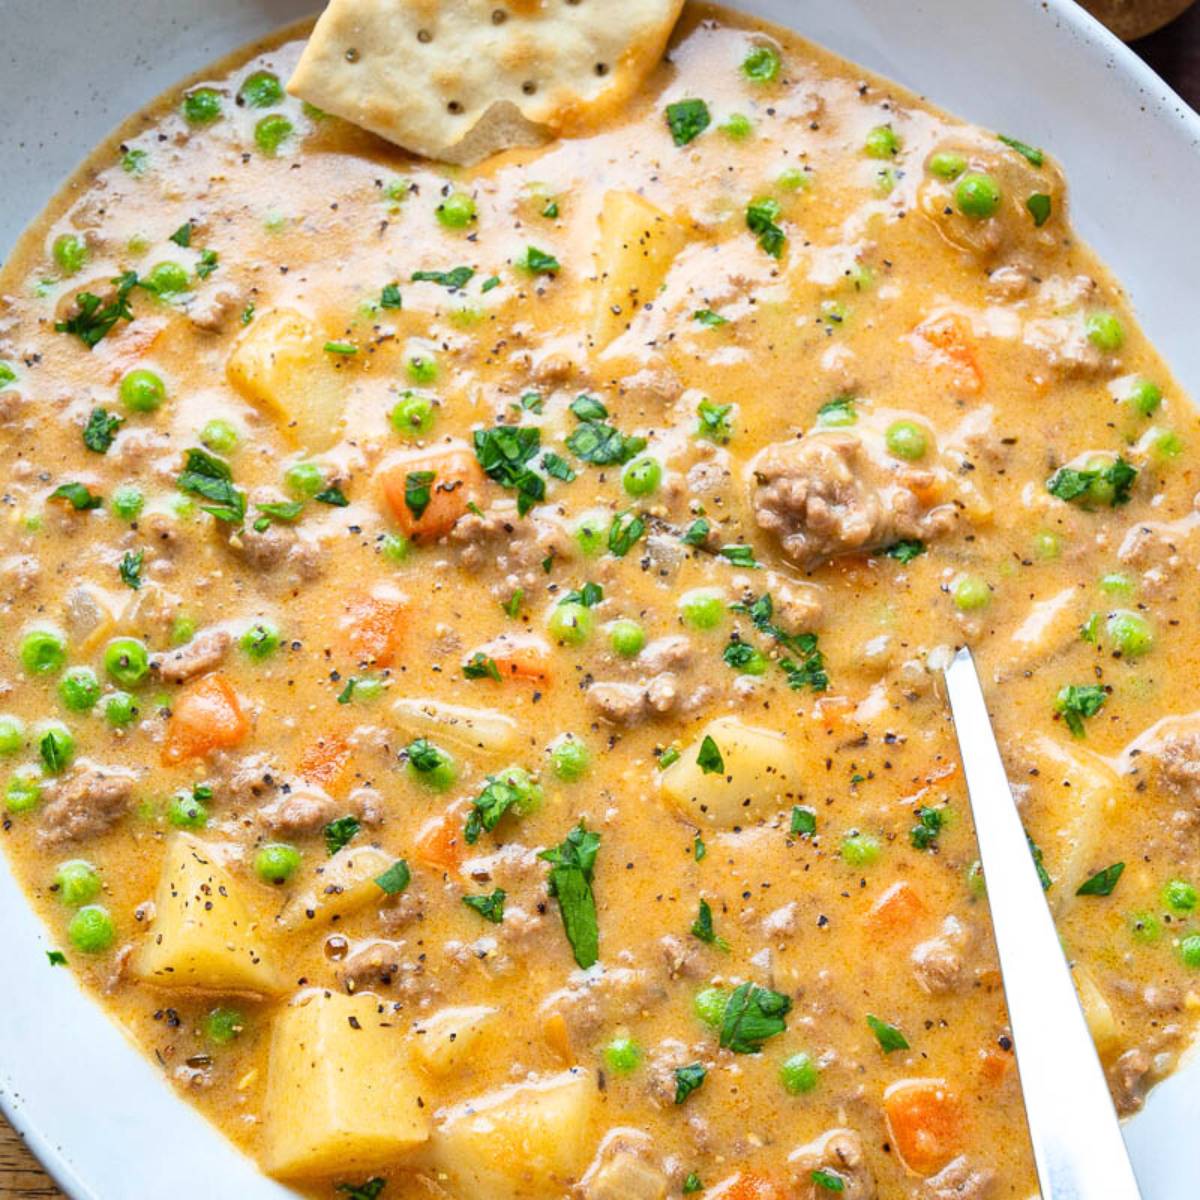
{"x":103,"y":1120}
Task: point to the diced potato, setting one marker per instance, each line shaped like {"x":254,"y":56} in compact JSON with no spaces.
{"x":456,"y":725}
{"x":340,"y":885}
{"x":759,"y":776}
{"x":1050,"y":623}
{"x":90,"y":615}
{"x":625,"y":1177}
{"x":1096,"y":1009}
{"x":637,"y":245}
{"x":279,"y":364}
{"x":342,"y":1094}
{"x":444,"y":1041}
{"x":526,"y":1142}
{"x":203,"y":936}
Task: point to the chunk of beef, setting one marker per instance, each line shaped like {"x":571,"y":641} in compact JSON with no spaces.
{"x":626,"y":1167}
{"x":591,"y":1001}
{"x":938,"y":962}
{"x":959,"y":1180}
{"x":402,"y":911}
{"x":86,"y":804}
{"x":372,"y":965}
{"x":21,"y":572}
{"x":682,"y":959}
{"x":278,"y":549}
{"x":825,"y":496}
{"x":1129,"y":1079}
{"x":632,"y":703}
{"x":782,"y":922}
{"x":666,"y":654}
{"x":1179,"y":764}
{"x":300,"y":811}
{"x":241,"y":779}
{"x":202,"y":654}
{"x":211,"y":311}
{"x":512,"y":546}
{"x":840,"y":1152}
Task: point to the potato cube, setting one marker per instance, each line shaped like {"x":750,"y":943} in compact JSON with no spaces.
{"x":340,"y":885}
{"x":342,"y":1094}
{"x":444,"y":1041}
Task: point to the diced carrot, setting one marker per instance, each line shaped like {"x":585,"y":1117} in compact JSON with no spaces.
{"x":439,"y":843}
{"x":994,"y":1064}
{"x":427,"y":508}
{"x":745,"y":1185}
{"x":832,"y":712}
{"x":516,"y":656}
{"x":324,"y":763}
{"x":206,"y":716}
{"x":946,"y":344}
{"x":558,"y":1036}
{"x":372,"y":626}
{"x":897,"y":909}
{"x":924,"y":1120}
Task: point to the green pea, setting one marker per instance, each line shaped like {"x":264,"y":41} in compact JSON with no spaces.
{"x":395,"y":547}
{"x":591,"y":532}
{"x":76,"y":882}
{"x":799,"y":1073}
{"x":167,"y":279}
{"x":945,"y":164}
{"x":120,"y":709}
{"x":127,"y":502}
{"x":1164,"y":444}
{"x":223,"y":1025}
{"x":304,"y":479}
{"x":43,"y":652}
{"x":571,"y":623}
{"x":368,"y":688}
{"x":709,"y":1005}
{"x":793,"y":179}
{"x":976,"y":884}
{"x":431,"y":766}
{"x":977,"y":195}
{"x":970,"y":592}
{"x":79,"y":689}
{"x":126,"y":660}
{"x":1179,"y":895}
{"x":1145,"y":396}
{"x":56,"y":746}
{"x":220,"y":436}
{"x":626,"y":637}
{"x":413,"y":415}
{"x":702,"y":608}
{"x":456,"y":211}
{"x":271,"y":132}
{"x":907,"y":440}
{"x":24,"y":789}
{"x":185,"y":811}
{"x":1189,"y":951}
{"x":142,"y":390}
{"x":1116,"y":584}
{"x":422,"y":369}
{"x":882,"y":142}
{"x":1047,"y":544}
{"x":622,"y":1055}
{"x":762,"y":64}
{"x":261,"y":89}
{"x":859,"y":849}
{"x":91,"y":929}
{"x":182,"y":631}
{"x":70,"y":252}
{"x":529,"y":793}
{"x":739,"y":127}
{"x":1130,"y":633}
{"x":642,"y":476}
{"x":202,"y":106}
{"x":1143,"y":927}
{"x":570,"y":758}
{"x":12,"y":734}
{"x":276,"y":862}
{"x":755,"y":663}
{"x":260,"y":641}
{"x":1105,"y":331}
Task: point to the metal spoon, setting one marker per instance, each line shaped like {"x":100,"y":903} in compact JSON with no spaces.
{"x":1076,"y":1137}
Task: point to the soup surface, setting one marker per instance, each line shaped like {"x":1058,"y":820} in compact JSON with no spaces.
{"x":472,"y":699}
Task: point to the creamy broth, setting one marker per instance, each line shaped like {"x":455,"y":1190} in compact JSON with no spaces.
{"x":838,"y":350}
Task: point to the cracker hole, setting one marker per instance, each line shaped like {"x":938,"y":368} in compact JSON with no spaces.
{"x":529,"y":87}
{"x":602,"y":68}
{"x":352,"y":55}
{"x":454,"y":106}
{"x":499,"y":16}
{"x":424,"y":36}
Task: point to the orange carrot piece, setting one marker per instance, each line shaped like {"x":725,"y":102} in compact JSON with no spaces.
{"x":924,"y":1119}
{"x":324,"y":763}
{"x":457,"y":481}
{"x":946,"y":344}
{"x":899,"y":908}
{"x":745,"y":1185}
{"x":372,"y":626}
{"x":517,"y":656}
{"x":206,"y":716}
{"x":994,"y":1064}
{"x":439,"y":843}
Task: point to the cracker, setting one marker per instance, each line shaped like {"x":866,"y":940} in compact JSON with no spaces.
{"x":460,"y":79}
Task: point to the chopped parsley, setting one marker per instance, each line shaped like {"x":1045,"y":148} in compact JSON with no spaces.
{"x":740,"y":556}
{"x":207,"y":476}
{"x":101,"y":429}
{"x":77,"y":495}
{"x":905,"y":550}
{"x":1076,"y":702}
{"x":829,"y":1180}
{"x":131,"y":569}
{"x":688,"y":1079}
{"x":669,"y":756}
{"x":837,"y":412}
{"x":490,"y":907}
{"x":589,"y":595}
{"x":761,"y":215}
{"x":1038,"y":865}
{"x":624,"y":532}
{"x":332,"y":495}
{"x":344,"y":349}
{"x":692,"y":1183}
{"x":504,"y":452}
{"x":395,"y":879}
{"x":209,"y":261}
{"x":481,"y":666}
{"x":390,"y":297}
{"x":94,"y":319}
{"x":687,"y":120}
{"x":924,"y":834}
{"x":538,"y":262}
{"x":183,"y":235}
{"x":418,"y":492}
{"x":594,"y":440}
{"x":282,"y":510}
{"x":339,"y":833}
{"x":804,"y":820}
{"x":702,"y":927}
{"x":709,"y":758}
{"x":571,"y":866}
{"x":1026,"y":151}
{"x":699,"y":849}
{"x":809,"y":671}
{"x":1102,"y":883}
{"x":696,"y":534}
{"x":1039,"y":208}
{"x":888,"y":1036}
{"x":56,"y":958}
{"x":1109,"y":484}
{"x":708,"y":318}
{"x":716,"y":422}
{"x":753,"y":1014}
{"x":458,"y":278}
{"x":363,"y":1191}
{"x":497,"y":797}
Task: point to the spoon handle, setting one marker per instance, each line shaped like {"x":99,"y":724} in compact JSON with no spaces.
{"x":1076,"y":1137}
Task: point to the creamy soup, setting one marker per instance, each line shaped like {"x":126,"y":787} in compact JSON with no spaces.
{"x":471,"y":700}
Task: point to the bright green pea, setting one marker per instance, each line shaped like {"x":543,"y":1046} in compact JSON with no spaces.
{"x":260,"y":641}
{"x":79,"y":689}
{"x":422,"y":369}
{"x":304,"y":479}
{"x":70,"y":252}
{"x":793,"y":179}
{"x":1164,"y":443}
{"x":1105,"y":331}
{"x":7,"y":374}
{"x":413,"y":415}
{"x":395,"y":547}
{"x":571,"y":623}
{"x":127,"y":502}
{"x":433,"y":767}
{"x":1116,"y":584}
{"x":642,"y":476}
{"x":126,"y":660}
{"x":223,"y":1025}
{"x":739,"y":127}
{"x":709,"y":1005}
{"x":976,"y":884}
{"x":271,"y":132}
{"x":1144,"y":927}
{"x":1179,"y":895}
{"x":120,"y":709}
{"x":569,"y":757}
{"x":182,"y":631}
{"x":907,"y":440}
{"x":762,"y":64}
{"x":799,"y":1073}
{"x":1047,"y":544}
{"x":622,"y":1055}
{"x":142,"y":390}
{"x":12,"y":734}
{"x":1189,"y":951}
{"x":591,"y":532}
{"x":947,"y":165}
{"x":56,"y":746}
{"x":185,"y":811}
{"x":1130,"y":633}
{"x":859,"y":849}
{"x":970,"y":592}
{"x":977,"y":195}
{"x":201,"y":106}
{"x":529,"y":793}
{"x":882,"y":142}
{"x":261,"y":89}
{"x":626,"y":637}
{"x":276,"y":862}
{"x":702,"y":608}
{"x":220,"y":436}
{"x":885,"y":181}
{"x":76,"y":882}
{"x":24,"y":789}
{"x":166,"y":279}
{"x":91,"y":929}
{"x":456,"y":211}
{"x":43,"y":652}
{"x":1145,"y":396}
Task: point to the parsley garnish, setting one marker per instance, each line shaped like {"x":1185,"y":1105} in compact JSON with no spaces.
{"x":77,"y":493}
{"x":829,"y":1180}
{"x":1067,"y":483}
{"x":504,"y":453}
{"x":208,"y":476}
{"x":101,"y":429}
{"x":1039,"y":208}
{"x":752,"y":1015}
{"x":481,"y":666}
{"x":809,"y":672}
{"x":924,"y":834}
{"x":459,"y":277}
{"x":702,"y":927}
{"x":497,"y":797}
{"x":396,"y":878}
{"x":95,"y":319}
{"x":209,"y":260}
{"x":905,"y":550}
{"x":760,"y":219}
{"x":493,"y":281}
{"x":687,"y":120}
{"x":557,"y":466}
{"x":804,"y":820}
{"x":347,"y":693}
{"x":283,"y":510}
{"x":669,"y":755}
{"x":706,"y":316}
{"x":715,"y":422}
{"x":1076,"y":702}
{"x":1034,"y":155}
{"x":344,"y":349}
{"x":688,"y":1079}
{"x":490,"y":907}
{"x":572,"y":863}
{"x":338,"y":833}
{"x":740,"y":556}
{"x":332,"y":495}
{"x":624,"y":532}
{"x":1102,"y":883}
{"x":1039,"y":866}
{"x":363,"y":1191}
{"x":888,"y":1036}
{"x":709,"y":758}
{"x":390,"y":297}
{"x":131,"y":569}
{"x":56,"y":958}
{"x":417,"y":492}
{"x":699,"y":849}
{"x":183,"y":235}
{"x":589,"y":595}
{"x":696,"y":534}
{"x":588,"y":408}
{"x":692,"y":1183}
{"x":597,"y":442}
{"x":538,"y":262}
